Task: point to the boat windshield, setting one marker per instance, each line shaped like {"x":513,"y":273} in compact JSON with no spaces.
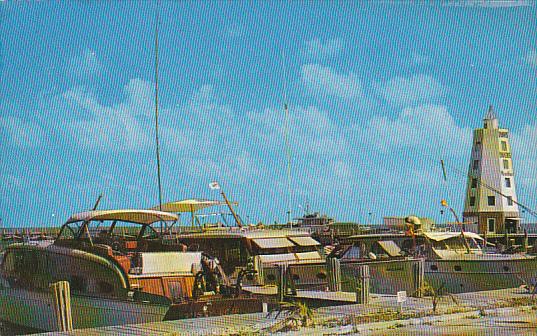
{"x":101,"y":229}
{"x":456,"y":243}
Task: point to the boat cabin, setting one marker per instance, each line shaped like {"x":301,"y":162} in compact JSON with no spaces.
{"x":112,"y":252}
{"x":451,"y":245}
{"x":237,"y":247}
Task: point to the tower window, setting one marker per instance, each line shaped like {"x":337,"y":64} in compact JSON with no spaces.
{"x":491,"y":224}
{"x":474,"y":183}
{"x":504,"y":146}
{"x":505,"y":164}
{"x":509,"y":200}
{"x":508,"y":182}
{"x":472,"y":201}
{"x":476,"y":164}
{"x":491,"y":200}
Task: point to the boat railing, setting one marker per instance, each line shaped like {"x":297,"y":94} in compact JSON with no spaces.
{"x":531,"y":228}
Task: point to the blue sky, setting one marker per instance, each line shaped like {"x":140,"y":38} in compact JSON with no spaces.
{"x":378,"y":93}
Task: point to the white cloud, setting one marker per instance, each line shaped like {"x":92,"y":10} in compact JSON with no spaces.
{"x":121,"y":127}
{"x":524,"y":143}
{"x":312,"y":131}
{"x":235,"y":30}
{"x":323,"y":80}
{"x":85,"y":64}
{"x":424,"y":126}
{"x":531,"y":58}
{"x":22,"y":133}
{"x":419,"y":59}
{"x":414,"y":89}
{"x":490,"y":4}
{"x":320,"y":50}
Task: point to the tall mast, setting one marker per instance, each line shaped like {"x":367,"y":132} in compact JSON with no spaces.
{"x":156,"y":119}
{"x":156,"y":113}
{"x":287,"y":142}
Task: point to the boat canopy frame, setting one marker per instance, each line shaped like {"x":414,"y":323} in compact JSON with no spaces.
{"x":142,"y":217}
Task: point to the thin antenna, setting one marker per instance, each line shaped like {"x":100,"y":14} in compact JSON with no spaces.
{"x":156,"y":113}
{"x":287,"y":142}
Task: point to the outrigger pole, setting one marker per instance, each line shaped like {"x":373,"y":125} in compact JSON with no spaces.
{"x":235,"y":216}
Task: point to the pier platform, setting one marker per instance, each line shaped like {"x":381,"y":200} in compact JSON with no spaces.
{"x":382,"y":308}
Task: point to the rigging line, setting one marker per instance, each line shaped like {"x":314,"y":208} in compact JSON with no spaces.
{"x":156,"y":112}
{"x":480,"y":182}
{"x":287,"y":141}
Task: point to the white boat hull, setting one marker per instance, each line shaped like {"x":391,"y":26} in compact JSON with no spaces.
{"x":461,"y":276}
{"x":35,"y":310}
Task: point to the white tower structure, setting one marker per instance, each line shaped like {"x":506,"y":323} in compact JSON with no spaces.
{"x":490,"y":193}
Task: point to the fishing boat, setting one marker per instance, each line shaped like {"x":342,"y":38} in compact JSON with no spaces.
{"x":120,"y":269}
{"x":237,"y":247}
{"x":243,"y":247}
{"x":457,"y":262}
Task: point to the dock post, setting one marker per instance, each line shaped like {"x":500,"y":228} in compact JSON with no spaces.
{"x":62,"y":305}
{"x":282,"y":282}
{"x":258,"y":266}
{"x":334,"y":274}
{"x":525,"y":242}
{"x":362,"y":285}
{"x":418,"y":270}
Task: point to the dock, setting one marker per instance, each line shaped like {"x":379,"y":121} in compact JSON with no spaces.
{"x":382,"y":308}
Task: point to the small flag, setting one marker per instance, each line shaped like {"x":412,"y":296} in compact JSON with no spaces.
{"x":214,"y":185}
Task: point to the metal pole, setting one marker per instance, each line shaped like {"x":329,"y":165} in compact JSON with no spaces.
{"x":237,"y":219}
{"x":156,"y":119}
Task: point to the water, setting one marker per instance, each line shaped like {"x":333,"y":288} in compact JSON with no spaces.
{"x":7,"y":329}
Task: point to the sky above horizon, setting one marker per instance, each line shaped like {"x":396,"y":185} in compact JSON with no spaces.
{"x":378,"y":93}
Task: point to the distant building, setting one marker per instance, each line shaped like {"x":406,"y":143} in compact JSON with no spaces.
{"x":490,"y":193}
{"x":400,"y":223}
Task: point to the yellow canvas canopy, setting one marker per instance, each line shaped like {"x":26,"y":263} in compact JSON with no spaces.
{"x":439,"y":236}
{"x":187,"y":205}
{"x":127,"y":215}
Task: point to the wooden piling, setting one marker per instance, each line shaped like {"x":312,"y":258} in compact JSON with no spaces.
{"x":333,"y":266}
{"x":525,"y":242}
{"x":258,"y":266}
{"x":282,"y":282}
{"x":362,"y":285}
{"x":418,"y":270}
{"x":62,"y":305}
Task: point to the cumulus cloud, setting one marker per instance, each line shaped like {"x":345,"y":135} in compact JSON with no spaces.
{"x":531,"y":58}
{"x":420,"y":59}
{"x":524,"y":143}
{"x":21,"y":132}
{"x":409,"y":90}
{"x":85,"y":64}
{"x":323,"y":80}
{"x":424,"y":126}
{"x":489,"y":4}
{"x":313,"y":131}
{"x":319,"y":50}
{"x":120,"y":127}
{"x":235,"y":30}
